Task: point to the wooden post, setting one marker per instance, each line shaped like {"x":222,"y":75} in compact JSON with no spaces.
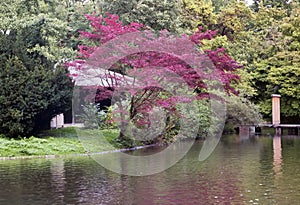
{"x":275,"y":109}
{"x":276,"y":112}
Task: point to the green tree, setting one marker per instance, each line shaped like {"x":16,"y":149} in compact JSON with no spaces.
{"x":34,"y":36}
{"x":234,"y":19}
{"x":284,"y":4}
{"x":266,"y":42}
{"x":198,"y":13}
{"x":279,"y":72}
{"x":219,"y":4}
{"x":157,"y":14}
{"x":29,"y":95}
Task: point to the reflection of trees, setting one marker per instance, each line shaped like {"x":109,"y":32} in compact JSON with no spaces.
{"x":25,"y":181}
{"x":86,"y":182}
{"x":188,"y":182}
{"x":57,"y":170}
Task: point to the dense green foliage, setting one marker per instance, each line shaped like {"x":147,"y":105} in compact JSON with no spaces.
{"x":198,"y":13}
{"x":267,"y":43}
{"x":32,"y":90}
{"x":265,"y":39}
{"x":35,"y":37}
{"x":156,"y":14}
{"x":279,"y":70}
{"x":28,"y":95}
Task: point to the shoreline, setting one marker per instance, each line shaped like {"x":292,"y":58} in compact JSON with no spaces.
{"x":28,"y":157}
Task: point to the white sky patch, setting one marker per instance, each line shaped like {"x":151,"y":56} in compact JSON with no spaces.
{"x":249,"y":2}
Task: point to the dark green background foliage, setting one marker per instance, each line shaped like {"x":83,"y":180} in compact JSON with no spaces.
{"x":36,"y":36}
{"x":31,"y":91}
{"x":33,"y":88}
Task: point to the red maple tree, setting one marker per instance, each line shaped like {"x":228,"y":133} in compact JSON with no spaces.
{"x":149,"y":66}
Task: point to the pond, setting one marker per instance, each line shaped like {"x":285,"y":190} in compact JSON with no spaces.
{"x":255,"y":170}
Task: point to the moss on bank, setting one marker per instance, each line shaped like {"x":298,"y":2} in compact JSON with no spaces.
{"x":55,"y":142}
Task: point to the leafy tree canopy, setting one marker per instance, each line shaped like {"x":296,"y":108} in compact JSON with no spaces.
{"x":156,"y":14}
{"x":34,"y":38}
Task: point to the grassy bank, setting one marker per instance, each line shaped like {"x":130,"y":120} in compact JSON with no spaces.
{"x":59,"y":142}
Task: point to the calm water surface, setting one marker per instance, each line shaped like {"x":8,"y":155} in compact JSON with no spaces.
{"x":257,"y":170}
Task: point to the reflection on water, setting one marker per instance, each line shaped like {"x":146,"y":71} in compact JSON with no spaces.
{"x":277,"y":155}
{"x":242,"y":170}
{"x":57,"y":170}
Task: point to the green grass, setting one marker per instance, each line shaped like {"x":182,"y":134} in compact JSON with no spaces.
{"x":60,"y":142}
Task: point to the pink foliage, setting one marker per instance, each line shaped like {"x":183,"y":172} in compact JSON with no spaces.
{"x":105,"y":29}
{"x":198,"y":36}
{"x":141,"y":64}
